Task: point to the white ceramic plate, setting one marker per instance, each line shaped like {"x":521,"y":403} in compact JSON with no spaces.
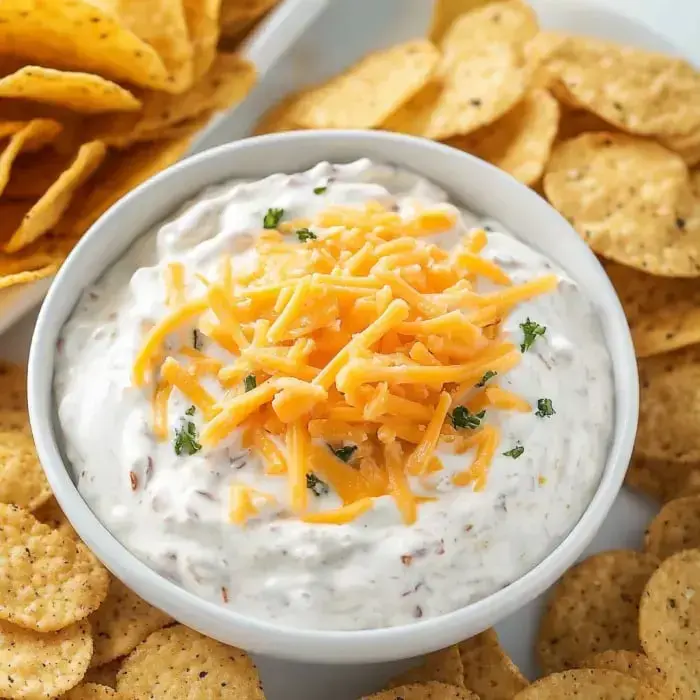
{"x":342,"y":33}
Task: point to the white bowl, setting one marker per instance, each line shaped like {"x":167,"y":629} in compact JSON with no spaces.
{"x":471,"y":182}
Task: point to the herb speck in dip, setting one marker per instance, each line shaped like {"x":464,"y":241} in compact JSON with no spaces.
{"x":325,"y":404}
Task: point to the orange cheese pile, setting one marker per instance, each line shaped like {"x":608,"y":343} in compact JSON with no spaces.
{"x":366,"y":334}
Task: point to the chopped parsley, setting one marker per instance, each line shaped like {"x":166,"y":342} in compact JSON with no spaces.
{"x":489,"y":375}
{"x":196,"y":339}
{"x":515,"y":452}
{"x":320,"y":190}
{"x":250,"y":382}
{"x":531,"y":330}
{"x":313,"y":483}
{"x":190,"y":411}
{"x":345,"y":453}
{"x":544,"y":408}
{"x":462,"y":418}
{"x":272,"y":218}
{"x":303,"y":234}
{"x":186,"y":439}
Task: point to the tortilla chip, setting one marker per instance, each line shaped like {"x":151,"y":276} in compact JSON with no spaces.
{"x":596,"y":684}
{"x":594,"y":607}
{"x":424,"y":691}
{"x":203,"y":23}
{"x":630,"y":201}
{"x":509,"y":21}
{"x":13,"y":386}
{"x":91,"y":691}
{"x":122,"y":622}
{"x":41,"y":273}
{"x":47,"y":581}
{"x":80,"y":35}
{"x":663,"y":313}
{"x":519,"y":142}
{"x":50,"y":514}
{"x":669,"y":406}
{"x":447,"y":11}
{"x":81,"y":92}
{"x":443,"y":666}
{"x":125,"y":171}
{"x":368,"y":92}
{"x":7,"y":128}
{"x":574,"y":122}
{"x":632,"y":664}
{"x":669,"y":619}
{"x":22,"y":480}
{"x":637,"y":91}
{"x":40,"y":665}
{"x":479,"y":87}
{"x":488,"y":670}
{"x":280,"y":117}
{"x":686,"y":145}
{"x":676,"y":527}
{"x":105,"y":674}
{"x":662,"y":480}
{"x":239,"y":15}
{"x":46,"y":212}
{"x":33,"y":136}
{"x":178,"y":663}
{"x":229,"y":80}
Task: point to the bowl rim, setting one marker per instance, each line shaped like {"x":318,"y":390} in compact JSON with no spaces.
{"x":263,"y":636}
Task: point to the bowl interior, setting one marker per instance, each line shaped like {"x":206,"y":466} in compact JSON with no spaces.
{"x":471,"y":183}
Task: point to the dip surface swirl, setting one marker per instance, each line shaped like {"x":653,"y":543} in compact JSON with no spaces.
{"x":172,"y":510}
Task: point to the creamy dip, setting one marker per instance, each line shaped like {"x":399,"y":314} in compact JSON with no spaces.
{"x":171,"y":511}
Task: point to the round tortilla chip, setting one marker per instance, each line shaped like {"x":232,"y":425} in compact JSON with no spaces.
{"x":22,"y":479}
{"x":594,"y":607}
{"x":444,"y":666}
{"x":122,"y":622}
{"x":279,"y":117}
{"x":488,"y":670}
{"x":47,"y":581}
{"x":366,"y":94}
{"x":38,"y":665}
{"x":663,"y":313}
{"x":663,"y":480}
{"x":105,"y":674}
{"x":178,"y":662}
{"x":591,"y":684}
{"x":637,"y":91}
{"x":80,"y":92}
{"x":424,"y":691}
{"x":633,"y":664}
{"x":15,"y":422}
{"x":629,"y":199}
{"x":91,"y":691}
{"x":687,"y":146}
{"x":51,"y":514}
{"x":446,"y":12}
{"x":676,"y":527}
{"x":669,"y":405}
{"x":479,"y":87}
{"x":519,"y":142}
{"x":509,"y":21}
{"x":669,"y":619}
{"x":13,"y":386}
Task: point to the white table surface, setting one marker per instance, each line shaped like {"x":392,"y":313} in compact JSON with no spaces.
{"x":679,"y":21}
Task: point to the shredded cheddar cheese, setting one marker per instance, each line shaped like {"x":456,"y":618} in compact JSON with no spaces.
{"x":365,"y":336}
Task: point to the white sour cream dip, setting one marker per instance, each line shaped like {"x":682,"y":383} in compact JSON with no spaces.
{"x":375,"y":571}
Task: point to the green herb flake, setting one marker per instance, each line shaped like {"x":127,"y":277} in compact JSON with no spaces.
{"x":190,"y":411}
{"x":320,"y":190}
{"x":462,"y":418}
{"x":250,"y":382}
{"x":313,"y":483}
{"x":515,"y":452}
{"x":345,"y":453}
{"x":544,"y":408}
{"x":272,"y":218}
{"x":186,"y":439}
{"x":303,"y":234}
{"x":531,"y":330}
{"x":485,"y":378}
